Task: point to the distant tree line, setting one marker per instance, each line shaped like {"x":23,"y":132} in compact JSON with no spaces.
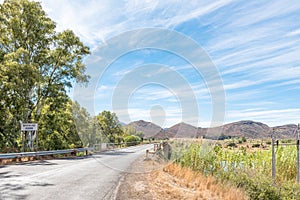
{"x":103,"y":128}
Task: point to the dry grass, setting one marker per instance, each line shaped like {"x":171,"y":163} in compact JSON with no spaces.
{"x":16,"y":160}
{"x":28,"y":159}
{"x":172,"y":182}
{"x":175,"y":182}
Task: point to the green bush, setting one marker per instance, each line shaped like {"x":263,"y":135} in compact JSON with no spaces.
{"x":255,"y":145}
{"x":231,"y":144}
{"x":244,"y":139}
{"x":132,"y":140}
{"x":260,"y":186}
{"x":256,"y":186}
{"x":286,"y":141}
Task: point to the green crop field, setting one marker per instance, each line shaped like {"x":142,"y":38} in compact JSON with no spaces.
{"x":249,"y":168}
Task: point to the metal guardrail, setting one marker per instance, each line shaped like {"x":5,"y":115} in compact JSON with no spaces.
{"x":111,"y":146}
{"x":42,"y":153}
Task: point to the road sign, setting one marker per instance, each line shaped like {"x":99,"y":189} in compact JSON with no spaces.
{"x":29,"y":127}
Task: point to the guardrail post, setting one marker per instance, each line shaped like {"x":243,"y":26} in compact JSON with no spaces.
{"x":37,"y":141}
{"x":23,"y":141}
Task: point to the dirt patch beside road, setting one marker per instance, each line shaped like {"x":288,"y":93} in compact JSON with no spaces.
{"x":154,"y":179}
{"x":135,"y":184}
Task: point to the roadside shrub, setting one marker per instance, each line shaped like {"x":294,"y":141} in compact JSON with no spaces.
{"x":260,"y":186}
{"x":244,"y":139}
{"x":290,"y":190}
{"x":224,"y":137}
{"x":255,"y":145}
{"x":231,"y":144}
{"x":132,"y":140}
{"x":256,"y":186}
{"x":286,"y":141}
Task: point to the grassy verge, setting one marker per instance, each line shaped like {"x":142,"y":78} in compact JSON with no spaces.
{"x":250,"y":170}
{"x":205,"y":187}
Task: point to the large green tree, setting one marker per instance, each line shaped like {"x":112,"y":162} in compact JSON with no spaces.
{"x":130,"y":130}
{"x":37,"y":65}
{"x":87,"y":127}
{"x":110,"y":126}
{"x":57,"y":127}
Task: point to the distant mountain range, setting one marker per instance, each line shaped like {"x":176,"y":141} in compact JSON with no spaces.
{"x":248,"y":129}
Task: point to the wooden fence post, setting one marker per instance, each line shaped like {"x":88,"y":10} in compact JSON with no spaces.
{"x":273,"y":158}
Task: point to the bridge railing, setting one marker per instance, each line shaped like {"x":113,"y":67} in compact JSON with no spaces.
{"x":42,"y":153}
{"x":111,"y":146}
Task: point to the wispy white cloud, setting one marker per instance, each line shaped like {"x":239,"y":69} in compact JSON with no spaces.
{"x":167,"y":118}
{"x":196,"y":11}
{"x":289,"y":83}
{"x":254,"y":44}
{"x":271,"y":117}
{"x":96,"y":21}
{"x":261,"y":12}
{"x":293,"y":33}
{"x":238,"y":85}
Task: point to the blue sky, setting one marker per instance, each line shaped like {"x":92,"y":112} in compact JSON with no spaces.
{"x":254,"y":45}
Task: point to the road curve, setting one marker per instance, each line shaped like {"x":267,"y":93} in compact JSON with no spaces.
{"x":93,"y":177}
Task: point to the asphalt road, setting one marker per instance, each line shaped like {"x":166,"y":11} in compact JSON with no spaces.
{"x":93,"y":177}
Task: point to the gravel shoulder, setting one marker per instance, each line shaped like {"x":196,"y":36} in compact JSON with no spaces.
{"x":135,"y":185}
{"x":155,"y":179}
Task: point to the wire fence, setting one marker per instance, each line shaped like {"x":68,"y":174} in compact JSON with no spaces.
{"x":275,"y":143}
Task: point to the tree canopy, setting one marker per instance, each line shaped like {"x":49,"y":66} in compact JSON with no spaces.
{"x":88,"y":127}
{"x":37,"y":66}
{"x":130,"y":130}
{"x":110,"y":126}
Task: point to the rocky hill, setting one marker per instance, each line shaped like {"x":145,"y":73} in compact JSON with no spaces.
{"x":249,"y":129}
{"x":286,"y":131}
{"x":246,"y":128}
{"x":149,"y":129}
{"x":182,"y":130}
